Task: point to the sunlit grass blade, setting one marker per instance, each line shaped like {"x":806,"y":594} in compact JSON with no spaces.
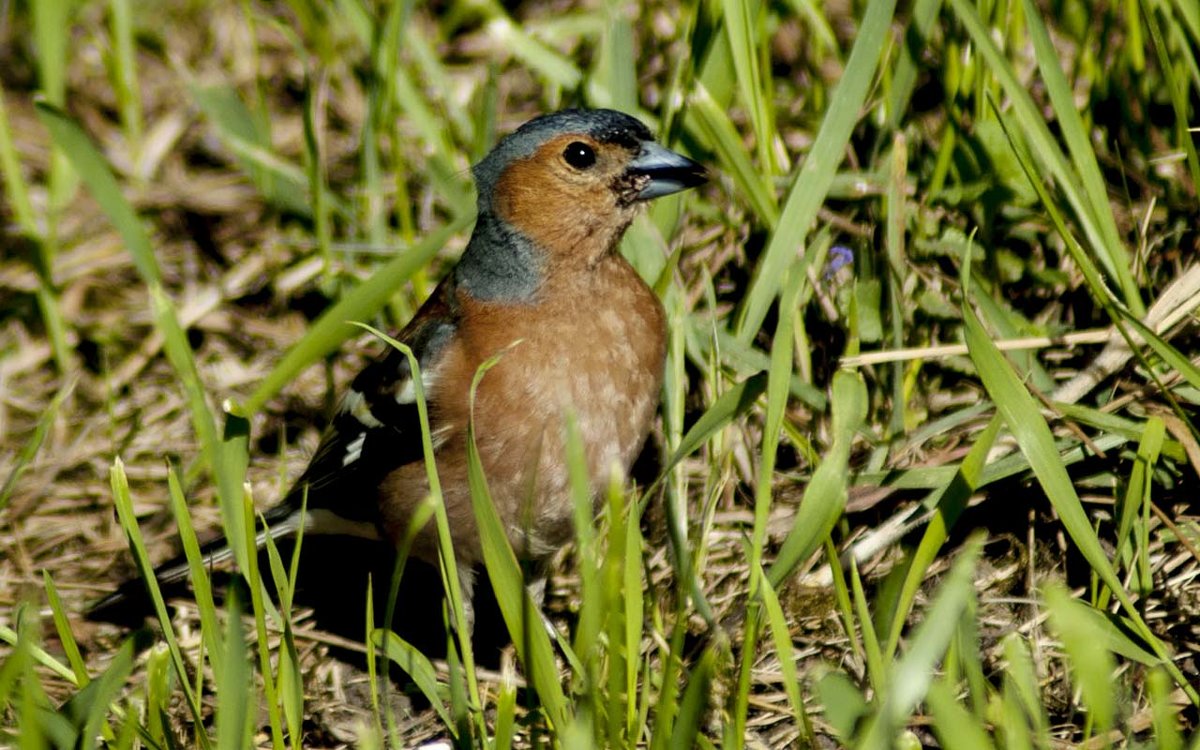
{"x":452,"y":578}
{"x":1092,"y":668}
{"x":778,"y":379}
{"x":1137,"y":492}
{"x":1166,"y":719}
{"x":506,"y":708}
{"x":913,"y":673}
{"x":520,"y":614}
{"x":1050,"y":157}
{"x":781,"y":636}
{"x":361,"y":303}
{"x":826,"y":493}
{"x":813,"y":179}
{"x":711,"y":122}
{"x":260,"y":607}
{"x":419,"y":669}
{"x":953,"y":724}
{"x":235,"y":711}
{"x":1021,"y":690}
{"x":289,"y":679}
{"x":124,"y":506}
{"x":744,"y":33}
{"x":873,"y":656}
{"x":62,"y":626}
{"x":1025,"y":422}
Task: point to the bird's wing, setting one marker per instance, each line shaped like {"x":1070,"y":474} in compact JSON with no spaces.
{"x":375,"y":431}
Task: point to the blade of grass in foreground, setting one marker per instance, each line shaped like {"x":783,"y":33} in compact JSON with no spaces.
{"x":1026,"y":424}
{"x":912,"y":674}
{"x":520,"y":613}
{"x":451,"y":581}
{"x":123,"y":501}
{"x":234,"y":709}
{"x":815,"y":177}
{"x":1093,"y":668}
{"x":825,"y":495}
{"x":361,"y":303}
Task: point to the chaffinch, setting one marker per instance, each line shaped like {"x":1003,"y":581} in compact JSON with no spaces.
{"x":541,"y":281}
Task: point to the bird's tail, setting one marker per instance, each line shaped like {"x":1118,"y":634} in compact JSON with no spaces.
{"x":131,"y":602}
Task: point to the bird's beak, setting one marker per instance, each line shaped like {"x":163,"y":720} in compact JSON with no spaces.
{"x":668,"y":171}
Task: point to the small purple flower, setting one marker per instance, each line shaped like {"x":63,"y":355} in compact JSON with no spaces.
{"x":840,"y":256}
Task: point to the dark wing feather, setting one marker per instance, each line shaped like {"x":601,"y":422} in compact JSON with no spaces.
{"x":375,"y":431}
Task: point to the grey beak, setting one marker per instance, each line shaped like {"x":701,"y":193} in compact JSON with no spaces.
{"x":668,"y":171}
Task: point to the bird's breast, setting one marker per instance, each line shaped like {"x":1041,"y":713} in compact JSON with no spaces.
{"x":594,"y":354}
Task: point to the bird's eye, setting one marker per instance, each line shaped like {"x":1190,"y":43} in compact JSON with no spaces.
{"x":579,"y":155}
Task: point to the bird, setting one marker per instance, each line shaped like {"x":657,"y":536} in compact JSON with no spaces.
{"x":577,"y":331}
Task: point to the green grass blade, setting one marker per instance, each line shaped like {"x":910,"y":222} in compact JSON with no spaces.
{"x":826,"y":493}
{"x":89,"y":708}
{"x":16,"y":190}
{"x":814,"y":178}
{"x":728,"y":406}
{"x":781,"y":636}
{"x":694,"y":704}
{"x":96,"y":174}
{"x":1025,"y":422}
{"x":1033,"y":127}
{"x":1092,"y":668}
{"x":904,"y":73}
{"x":62,"y":626}
{"x":361,"y":303}
{"x":34,"y":444}
{"x":125,"y":78}
{"x":1095,"y":193}
{"x":235,"y":711}
{"x":709,"y":120}
{"x":418,"y":667}
{"x":1176,"y":89}
{"x":283,"y":184}
{"x":520,"y":613}
{"x":951,"y":503}
{"x":744,"y":35}
{"x":954,"y":725}
{"x":913,"y":673}
{"x":124,"y":505}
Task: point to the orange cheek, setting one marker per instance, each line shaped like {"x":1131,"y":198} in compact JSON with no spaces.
{"x":563,"y":218}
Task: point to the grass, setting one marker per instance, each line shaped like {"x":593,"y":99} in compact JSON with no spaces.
{"x":943,"y":288}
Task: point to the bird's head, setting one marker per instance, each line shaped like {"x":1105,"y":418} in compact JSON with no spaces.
{"x":572,"y":181}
